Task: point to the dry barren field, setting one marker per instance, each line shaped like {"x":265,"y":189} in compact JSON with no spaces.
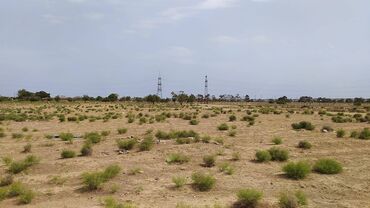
{"x":78,"y":155}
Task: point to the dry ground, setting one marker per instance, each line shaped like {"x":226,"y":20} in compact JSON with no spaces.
{"x":154,"y":188}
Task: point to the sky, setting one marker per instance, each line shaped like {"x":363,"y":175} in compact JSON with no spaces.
{"x":263,"y":48}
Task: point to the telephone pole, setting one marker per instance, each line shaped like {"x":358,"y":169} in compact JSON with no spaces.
{"x":206,"y":95}
{"x":159,"y":86}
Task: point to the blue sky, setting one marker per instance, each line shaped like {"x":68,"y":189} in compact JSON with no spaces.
{"x":264,"y":48}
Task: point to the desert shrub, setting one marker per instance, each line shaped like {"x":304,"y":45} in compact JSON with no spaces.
{"x":72,"y":118}
{"x":27,"y":148}
{"x":365,"y":134}
{"x":134,"y":171}
{"x":341,"y":133}
{"x":248,"y":197}
{"x":86,"y":149}
{"x":68,"y":154}
{"x":6,"y":181}
{"x":178,"y":158}
{"x":92,"y":137}
{"x":24,"y":129}
{"x":184,"y":140}
{"x":193,"y":122}
{"x":147,"y":143}
{"x":209,"y":160}
{"x":292,"y":200}
{"x":66,"y":137}
{"x":17,"y":135}
{"x":122,"y":130}
{"x":278,"y":154}
{"x":205,"y":115}
{"x":227,"y":168}
{"x":16,"y":189}
{"x":94,"y":180}
{"x":277,"y":140}
{"x":26,"y":197}
{"x":206,"y":139}
{"x":354,"y":134}
{"x":327,"y":129}
{"x":232,"y":133}
{"x":219,"y":140}
{"x":110,"y":202}
{"x":235,"y":156}
{"x":232,"y":118}
{"x":105,"y":133}
{"x":223,"y":127}
{"x":303,"y":125}
{"x":3,"y":193}
{"x":126,"y":144}
{"x":19,"y":166}
{"x":203,"y":182}
{"x":179,"y":181}
{"x":162,"y":135}
{"x":304,"y":144}
{"x":263,"y":156}
{"x":327,"y":166}
{"x":2,"y":134}
{"x":298,"y":170}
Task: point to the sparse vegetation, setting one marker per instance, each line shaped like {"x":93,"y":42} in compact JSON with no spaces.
{"x":177,"y":158}
{"x":304,"y":144}
{"x":68,"y":154}
{"x":341,"y":133}
{"x":263,"y":156}
{"x":203,"y":182}
{"x":94,"y":180}
{"x":248,"y":198}
{"x":179,"y":181}
{"x":278,"y":154}
{"x":126,"y":144}
{"x":209,"y":160}
{"x":327,"y":166}
{"x":223,"y":127}
{"x":297,"y":170}
{"x":303,"y":125}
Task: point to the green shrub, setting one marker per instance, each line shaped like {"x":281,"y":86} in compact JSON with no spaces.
{"x":126,"y":144}
{"x":227,"y":168}
{"x":24,"y":129}
{"x":105,"y":133}
{"x":110,"y":202}
{"x":303,"y":125}
{"x":68,"y":154}
{"x":17,"y":135}
{"x":2,"y":134}
{"x":235,"y":156}
{"x":162,"y":135}
{"x":122,"y":130}
{"x":94,"y":180}
{"x":278,"y":154}
{"x":3,"y":193}
{"x":209,"y":160}
{"x":92,"y":137}
{"x":304,"y":144}
{"x":203,"y":182}
{"x":248,"y":197}
{"x":298,"y":170}
{"x":232,"y":133}
{"x":193,"y":122}
{"x":292,"y":200}
{"x":277,"y":140}
{"x":341,"y":133}
{"x":147,"y":143}
{"x":6,"y":181}
{"x":327,"y":166}
{"x":26,"y":197}
{"x":66,"y":137}
{"x":263,"y":156}
{"x":365,"y":134}
{"x":232,"y":118}
{"x":19,"y":166}
{"x":16,"y":189}
{"x":179,"y":181}
{"x":223,"y":127}
{"x":205,"y":139}
{"x":354,"y":134}
{"x":86,"y":149}
{"x":178,"y":158}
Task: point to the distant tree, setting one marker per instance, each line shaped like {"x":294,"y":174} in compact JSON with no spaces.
{"x":181,"y":98}
{"x":358,"y":101}
{"x":152,"y":98}
{"x":57,"y":98}
{"x":282,"y":100}
{"x":42,"y":95}
{"x":305,"y":99}
{"x":246,"y":98}
{"x":191,"y":98}
{"x":24,"y":94}
{"x":112,"y":97}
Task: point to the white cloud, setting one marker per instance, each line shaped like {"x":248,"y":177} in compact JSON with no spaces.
{"x":53,"y":19}
{"x":216,"y":4}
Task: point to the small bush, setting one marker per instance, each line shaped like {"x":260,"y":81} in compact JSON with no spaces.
{"x":232,"y":118}
{"x":86,"y":149}
{"x":248,"y":197}
{"x":126,"y":144}
{"x":179,"y":181}
{"x":278,"y":154}
{"x":66,"y":137}
{"x":327,"y":166}
{"x":110,"y":202}
{"x":223,"y":127}
{"x":193,"y":122}
{"x":92,"y":137}
{"x":209,"y":160}
{"x":292,"y":200}
{"x":162,"y":135}
{"x":26,"y":197}
{"x":178,"y":158}
{"x":6,"y":181}
{"x":17,"y":135}
{"x":303,"y":125}
{"x":147,"y":144}
{"x":235,"y":156}
{"x":122,"y":130}
{"x":354,"y":134}
{"x":68,"y":154}
{"x":298,"y":170}
{"x":263,"y":156}
{"x":227,"y":168}
{"x":341,"y":133}
{"x":232,"y":133}
{"x":94,"y":180}
{"x":365,"y":134}
{"x":277,"y":140}
{"x":105,"y":133}
{"x":19,"y":166}
{"x":203,"y":182}
{"x":304,"y":144}
{"x":27,"y":148}
{"x":16,"y":189}
{"x":24,"y":129}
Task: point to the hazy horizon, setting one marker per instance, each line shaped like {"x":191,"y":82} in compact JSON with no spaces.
{"x":263,"y":48}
